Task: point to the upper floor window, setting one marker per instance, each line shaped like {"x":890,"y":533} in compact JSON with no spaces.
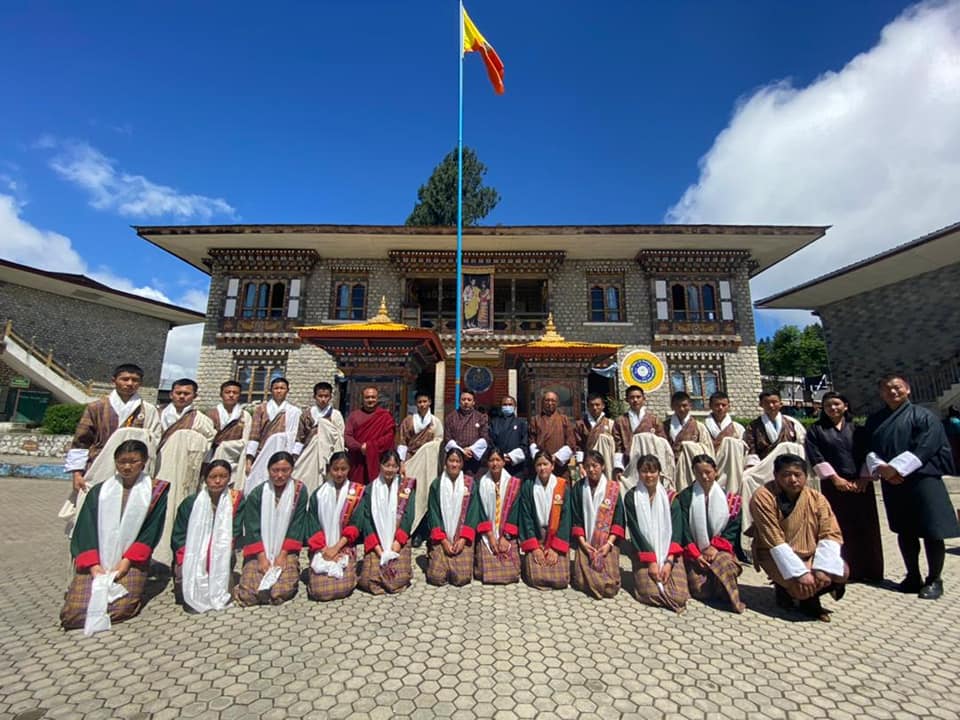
{"x":349,"y":297}
{"x":260,"y":299}
{"x":606,"y":299}
{"x":699,"y":301}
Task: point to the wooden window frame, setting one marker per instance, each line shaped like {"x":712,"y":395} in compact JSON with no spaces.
{"x":351,"y":312}
{"x":693,"y":375}
{"x":265,"y":305}
{"x":272,"y":365}
{"x":608,"y":314}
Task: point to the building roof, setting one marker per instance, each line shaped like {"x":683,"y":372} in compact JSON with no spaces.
{"x":930,"y":252}
{"x":81,"y":287}
{"x":767,"y":244}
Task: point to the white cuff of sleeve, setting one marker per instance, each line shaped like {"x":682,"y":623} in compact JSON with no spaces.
{"x":874,"y":463}
{"x":297,"y":448}
{"x":76,"y":459}
{"x":619,"y":461}
{"x":906,"y":463}
{"x":452,"y":444}
{"x":827,"y":558}
{"x":516,"y":455}
{"x":402,"y":452}
{"x":579,"y":456}
{"x":534,"y":449}
{"x":787,"y":561}
{"x":563,"y":454}
{"x":824,"y":470}
{"x":479,"y":448}
{"x":252,"y":448}
{"x":752,"y":459}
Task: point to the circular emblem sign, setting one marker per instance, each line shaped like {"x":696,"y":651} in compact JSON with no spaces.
{"x":643,"y":368}
{"x":479,"y":379}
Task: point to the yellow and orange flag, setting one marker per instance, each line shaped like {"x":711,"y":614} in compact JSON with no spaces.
{"x":474,"y":41}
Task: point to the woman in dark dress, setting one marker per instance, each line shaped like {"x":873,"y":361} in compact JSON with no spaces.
{"x":835,"y":449}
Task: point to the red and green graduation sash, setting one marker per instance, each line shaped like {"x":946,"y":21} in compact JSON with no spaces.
{"x":556,"y":510}
{"x":604,"y":520}
{"x":407,"y":486}
{"x":509,"y":498}
{"x":354,"y":494}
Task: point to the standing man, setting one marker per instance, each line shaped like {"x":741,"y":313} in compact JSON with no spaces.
{"x":594,"y":431}
{"x":771,"y":429}
{"x":726,"y":436}
{"x":633,"y":422}
{"x":510,"y":434}
{"x":910,"y":453}
{"x":418,"y":445}
{"x":552,"y":431}
{"x":232,"y":424}
{"x":276,"y":424}
{"x":369,"y":431}
{"x":466,"y":429}
{"x":183,"y":446}
{"x":320,"y":435}
{"x":689,"y":438}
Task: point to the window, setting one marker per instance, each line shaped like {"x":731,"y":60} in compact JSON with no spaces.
{"x":698,"y":382}
{"x":261,"y":299}
{"x":349,"y":298}
{"x":606,"y":299}
{"x":230,"y":305}
{"x":254,"y":375}
{"x":693,"y":302}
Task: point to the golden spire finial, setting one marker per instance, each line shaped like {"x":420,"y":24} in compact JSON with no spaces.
{"x":550,"y":331}
{"x":381,"y":316}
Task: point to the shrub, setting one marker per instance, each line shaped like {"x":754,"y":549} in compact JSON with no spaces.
{"x":62,"y":419}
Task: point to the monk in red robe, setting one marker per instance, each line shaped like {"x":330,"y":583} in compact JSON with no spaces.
{"x":369,"y":431}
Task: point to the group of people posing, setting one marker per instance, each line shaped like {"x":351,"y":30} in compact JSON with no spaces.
{"x":496,"y":498}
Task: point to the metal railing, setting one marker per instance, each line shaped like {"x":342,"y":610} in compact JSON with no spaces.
{"x":31,"y":347}
{"x":516,"y":324}
{"x":929,"y":385}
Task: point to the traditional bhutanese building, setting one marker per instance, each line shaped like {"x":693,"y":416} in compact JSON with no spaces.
{"x":667,"y":306}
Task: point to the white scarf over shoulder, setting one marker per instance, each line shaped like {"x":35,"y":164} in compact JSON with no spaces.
{"x":676,"y":425}
{"x":543,"y":499}
{"x":116,"y":531}
{"x":317,"y":414}
{"x":123,"y":409}
{"x":488,"y":498}
{"x":654,"y":520}
{"x":451,"y":501}
{"x":205,"y":589}
{"x":383,"y":506}
{"x":273,"y":408}
{"x":709,"y":514}
{"x":228,"y":417}
{"x":170,"y":415}
{"x":274,"y":523}
{"x":422,"y":423}
{"x":591,"y":503}
{"x":636,"y":418}
{"x":714,"y":428}
{"x":772,"y":427}
{"x":330,"y":503}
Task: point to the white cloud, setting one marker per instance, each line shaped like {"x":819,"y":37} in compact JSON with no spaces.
{"x":126,"y":194}
{"x":181,"y":355}
{"x":872,"y":149}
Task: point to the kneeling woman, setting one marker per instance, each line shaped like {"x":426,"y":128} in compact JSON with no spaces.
{"x":658,"y":574}
{"x":597,"y":517}
{"x":386,"y":520}
{"x":497,"y":555}
{"x":332,"y":532}
{"x":709,"y":521}
{"x":207,"y":524}
{"x":117,"y":528}
{"x":545,"y":527}
{"x":451,"y":512}
{"x":274,"y":519}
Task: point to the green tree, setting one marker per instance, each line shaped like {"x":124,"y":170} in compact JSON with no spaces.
{"x":795,"y":352}
{"x":437,"y":200}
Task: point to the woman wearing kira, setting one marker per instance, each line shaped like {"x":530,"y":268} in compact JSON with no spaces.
{"x":545,"y":527}
{"x":386,"y":521}
{"x":332,"y":532}
{"x":709,"y":522}
{"x":452,"y":517}
{"x":658,"y":574}
{"x":204,"y":531}
{"x":597,"y":518}
{"x":497,"y":553}
{"x":274,"y":516}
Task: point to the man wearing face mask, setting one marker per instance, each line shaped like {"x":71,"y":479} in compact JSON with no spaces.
{"x":509,"y":433}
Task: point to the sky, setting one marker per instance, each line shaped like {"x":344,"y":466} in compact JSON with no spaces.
{"x":119,"y":114}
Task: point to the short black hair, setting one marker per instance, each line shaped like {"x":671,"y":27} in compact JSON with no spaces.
{"x":769,"y":393}
{"x":631,"y":388}
{"x":892,"y":376}
{"x":679,"y":396}
{"x":230,"y":383}
{"x":183,"y":382}
{"x":279,"y":379}
{"x":596,"y":396}
{"x":128,"y":368}
{"x":789,"y":460}
{"x":322,"y":385}
{"x":132,"y":446}
{"x":468,"y":391}
{"x":718,"y":395}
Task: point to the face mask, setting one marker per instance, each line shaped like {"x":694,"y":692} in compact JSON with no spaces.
{"x":507,"y":410}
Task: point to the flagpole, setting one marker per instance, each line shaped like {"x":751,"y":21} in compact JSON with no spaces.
{"x":456,"y":366}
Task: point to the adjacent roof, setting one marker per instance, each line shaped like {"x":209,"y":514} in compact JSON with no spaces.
{"x":81,"y":287}
{"x":930,"y":252}
{"x":767,"y":244}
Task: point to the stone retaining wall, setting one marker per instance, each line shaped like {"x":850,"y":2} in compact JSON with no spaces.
{"x":35,"y":444}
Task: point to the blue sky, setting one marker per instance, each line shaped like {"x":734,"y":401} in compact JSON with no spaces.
{"x":165,"y":113}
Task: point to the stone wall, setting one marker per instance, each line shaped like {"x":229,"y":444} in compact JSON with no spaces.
{"x":906,"y":327}
{"x":89,"y":338}
{"x":35,"y":444}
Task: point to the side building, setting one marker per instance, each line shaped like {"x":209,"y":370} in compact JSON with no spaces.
{"x":894,"y":312}
{"x":679,"y":292}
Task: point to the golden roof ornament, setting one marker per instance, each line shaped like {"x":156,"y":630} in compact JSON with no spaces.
{"x":550,"y":332}
{"x":381,"y":317}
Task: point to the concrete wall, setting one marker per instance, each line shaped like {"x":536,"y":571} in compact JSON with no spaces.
{"x":907,"y":327}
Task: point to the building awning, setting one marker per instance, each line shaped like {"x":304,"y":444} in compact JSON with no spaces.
{"x":553,"y":347}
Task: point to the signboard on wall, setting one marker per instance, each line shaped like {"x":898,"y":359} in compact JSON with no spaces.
{"x":643,"y":368}
{"x":18,"y":381}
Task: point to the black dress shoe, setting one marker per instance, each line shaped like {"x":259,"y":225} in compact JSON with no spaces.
{"x":932,"y":590}
{"x":812,"y":608}
{"x":838,"y":590}
{"x":910,"y":585}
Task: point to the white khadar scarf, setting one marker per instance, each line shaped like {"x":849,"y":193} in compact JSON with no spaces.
{"x":488,"y":498}
{"x":170,"y":415}
{"x":713,"y":427}
{"x":422,"y":423}
{"x":636,"y":418}
{"x":383,"y":507}
{"x":123,"y":409}
{"x":317,"y":414}
{"x":708,"y":514}
{"x":543,"y":499}
{"x":116,"y":531}
{"x":591,"y":503}
{"x":772,"y":427}
{"x":274,"y":521}
{"x":273,"y":408}
{"x":654,"y":520}
{"x":228,"y":417}
{"x":330,"y":502}
{"x":205,"y":589}
{"x":676,"y":426}
{"x":451,"y":502}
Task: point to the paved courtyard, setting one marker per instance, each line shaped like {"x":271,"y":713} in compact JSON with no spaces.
{"x":499,"y":652}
